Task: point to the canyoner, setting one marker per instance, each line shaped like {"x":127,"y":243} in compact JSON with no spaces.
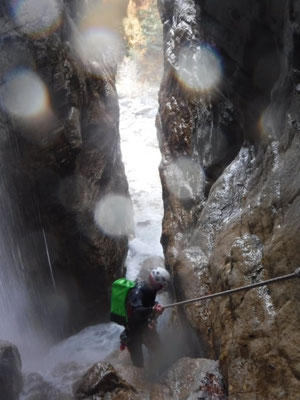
{"x":133,"y":306}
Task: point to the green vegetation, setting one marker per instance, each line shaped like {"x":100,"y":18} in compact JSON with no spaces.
{"x":152,"y":30}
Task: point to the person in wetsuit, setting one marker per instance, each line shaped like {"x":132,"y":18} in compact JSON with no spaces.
{"x":142,"y":311}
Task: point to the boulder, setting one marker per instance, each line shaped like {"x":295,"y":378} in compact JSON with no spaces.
{"x":100,"y":379}
{"x":11,"y":380}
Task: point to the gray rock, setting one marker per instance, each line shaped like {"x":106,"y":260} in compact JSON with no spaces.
{"x":11,"y":380}
{"x":100,"y":379}
{"x":242,"y":226}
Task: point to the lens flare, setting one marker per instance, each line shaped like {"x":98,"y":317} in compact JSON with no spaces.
{"x":23,"y":94}
{"x":199,"y":68}
{"x":266,"y":126}
{"x":99,"y":47}
{"x":185,"y":178}
{"x":37,"y":18}
{"x":114,"y":215}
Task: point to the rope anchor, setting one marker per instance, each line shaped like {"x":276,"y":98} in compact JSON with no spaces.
{"x":295,"y":274}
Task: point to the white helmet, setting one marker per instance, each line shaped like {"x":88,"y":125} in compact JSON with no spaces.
{"x":160,"y":277}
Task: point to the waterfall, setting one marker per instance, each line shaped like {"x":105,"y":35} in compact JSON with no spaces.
{"x":22,"y":252}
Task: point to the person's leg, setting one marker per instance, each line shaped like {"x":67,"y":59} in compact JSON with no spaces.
{"x":123,"y":339}
{"x":134,"y":345}
{"x":151,"y":339}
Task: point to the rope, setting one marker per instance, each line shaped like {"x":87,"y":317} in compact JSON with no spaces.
{"x":295,"y":274}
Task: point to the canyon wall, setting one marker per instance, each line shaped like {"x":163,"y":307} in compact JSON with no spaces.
{"x":60,"y":155}
{"x":228,"y":128}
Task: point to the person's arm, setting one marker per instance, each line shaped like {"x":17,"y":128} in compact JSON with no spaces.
{"x":158,"y":308}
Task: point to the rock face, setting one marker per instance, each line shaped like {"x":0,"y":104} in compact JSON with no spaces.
{"x":10,"y":371}
{"x":60,"y":154}
{"x":228,"y":127}
{"x":195,"y":378}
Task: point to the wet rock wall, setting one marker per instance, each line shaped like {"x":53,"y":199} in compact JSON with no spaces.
{"x":56,"y":164}
{"x":230,"y":174}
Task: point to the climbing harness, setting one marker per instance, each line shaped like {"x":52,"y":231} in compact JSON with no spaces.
{"x":295,"y":274}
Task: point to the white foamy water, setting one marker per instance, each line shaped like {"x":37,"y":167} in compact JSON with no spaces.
{"x":91,"y":345}
{"x":141,"y":157}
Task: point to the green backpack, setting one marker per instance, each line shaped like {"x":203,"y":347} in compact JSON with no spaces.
{"x":119,"y":292}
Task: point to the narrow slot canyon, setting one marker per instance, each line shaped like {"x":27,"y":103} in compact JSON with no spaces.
{"x":141,"y":136}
